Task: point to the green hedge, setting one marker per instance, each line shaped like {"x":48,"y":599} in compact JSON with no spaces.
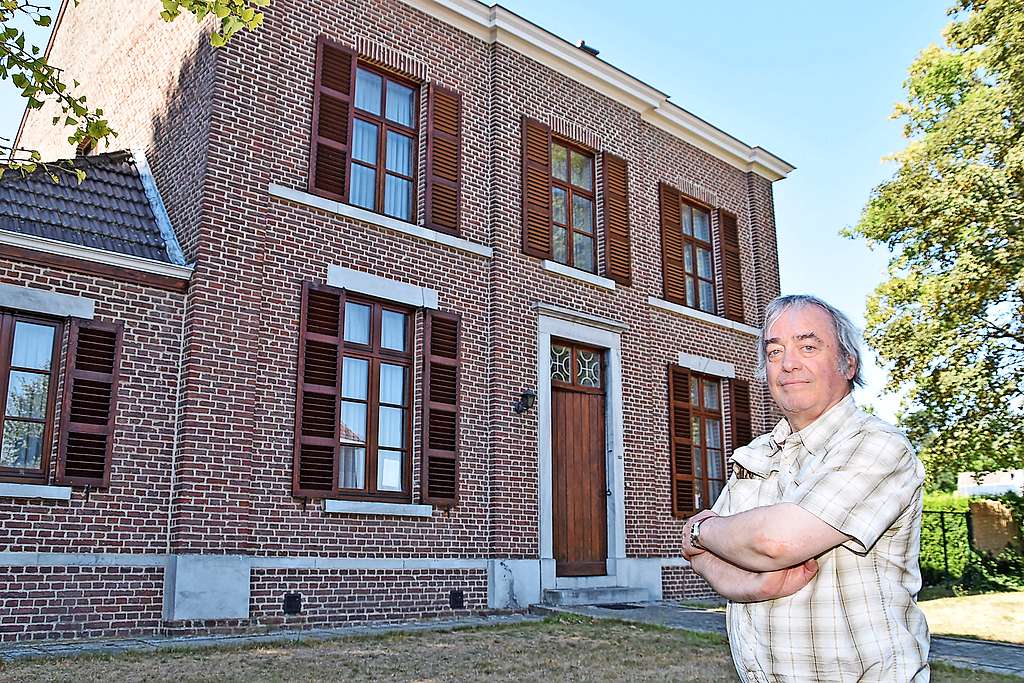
{"x":958,"y":547}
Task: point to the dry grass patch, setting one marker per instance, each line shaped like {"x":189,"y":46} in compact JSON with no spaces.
{"x":557,"y":649}
{"x":991,"y":616}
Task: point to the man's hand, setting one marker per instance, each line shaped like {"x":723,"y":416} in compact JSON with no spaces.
{"x":783,"y":582}
{"x":689,"y":551}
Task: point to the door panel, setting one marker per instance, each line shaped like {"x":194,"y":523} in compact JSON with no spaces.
{"x":578,"y":482}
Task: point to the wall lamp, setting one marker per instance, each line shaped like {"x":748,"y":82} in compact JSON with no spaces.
{"x":526,"y":400}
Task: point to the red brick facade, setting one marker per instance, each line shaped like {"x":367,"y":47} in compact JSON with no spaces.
{"x":212,"y":475}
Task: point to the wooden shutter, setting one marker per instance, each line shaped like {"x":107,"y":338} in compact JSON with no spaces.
{"x":89,"y":410}
{"x":673,"y":274}
{"x":315,"y":464}
{"x":742,"y":420}
{"x":444,"y":159}
{"x":684,"y":483}
{"x":440,"y":462}
{"x":729,"y":257}
{"x":615,"y":175}
{"x":334,"y":86}
{"x":536,"y":188}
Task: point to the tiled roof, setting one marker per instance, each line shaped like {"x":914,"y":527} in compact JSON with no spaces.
{"x":116,"y":208}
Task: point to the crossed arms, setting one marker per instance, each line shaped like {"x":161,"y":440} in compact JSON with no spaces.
{"x":761,"y":554}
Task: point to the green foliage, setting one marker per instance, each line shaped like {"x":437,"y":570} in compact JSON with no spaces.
{"x":950,"y":320}
{"x":27,"y":68}
{"x":969,"y":571}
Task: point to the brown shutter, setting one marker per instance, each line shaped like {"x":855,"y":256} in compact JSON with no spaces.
{"x":89,"y":410}
{"x":684,"y":484}
{"x":672,"y":272}
{"x":729,"y":257}
{"x":315,"y":465}
{"x":333,"y":89}
{"x":742,"y":422}
{"x":444,"y":159}
{"x":536,"y":188}
{"x":440,"y":463}
{"x":615,"y":174}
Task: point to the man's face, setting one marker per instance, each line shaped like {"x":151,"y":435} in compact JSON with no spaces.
{"x":802,"y":366}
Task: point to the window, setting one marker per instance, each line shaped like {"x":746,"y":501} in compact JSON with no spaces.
{"x":384,"y":134}
{"x":572,"y":207}
{"x":697,"y":260}
{"x":374,"y":456}
{"x":706,"y":427}
{"x":29,"y":358}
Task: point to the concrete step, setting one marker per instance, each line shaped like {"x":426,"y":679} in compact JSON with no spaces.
{"x":594,"y":596}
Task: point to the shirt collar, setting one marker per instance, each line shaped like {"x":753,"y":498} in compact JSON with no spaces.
{"x":815,"y":436}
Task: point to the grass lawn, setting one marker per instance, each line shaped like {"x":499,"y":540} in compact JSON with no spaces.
{"x":557,"y":649}
{"x":990,"y":616}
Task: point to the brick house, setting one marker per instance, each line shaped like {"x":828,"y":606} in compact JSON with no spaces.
{"x":440,"y":313}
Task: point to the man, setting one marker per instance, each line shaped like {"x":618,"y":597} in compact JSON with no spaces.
{"x":815,"y":539}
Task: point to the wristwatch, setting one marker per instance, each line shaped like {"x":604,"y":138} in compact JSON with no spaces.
{"x":695,"y":533}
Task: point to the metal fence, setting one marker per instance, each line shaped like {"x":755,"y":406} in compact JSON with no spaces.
{"x":945,"y":545}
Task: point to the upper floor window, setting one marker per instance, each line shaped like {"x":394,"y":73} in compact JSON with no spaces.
{"x":384,"y":134}
{"x":572,"y":207}
{"x":697,"y":259}
{"x":29,"y":357}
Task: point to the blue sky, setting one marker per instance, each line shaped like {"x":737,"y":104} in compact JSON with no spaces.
{"x":812,"y":82}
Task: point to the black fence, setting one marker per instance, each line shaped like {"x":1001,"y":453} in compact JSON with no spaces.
{"x":945,"y":546}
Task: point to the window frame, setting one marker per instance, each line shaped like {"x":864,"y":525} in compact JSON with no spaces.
{"x":698,"y":411}
{"x":570,"y":190}
{"x":691,"y":242}
{"x":375,"y":354}
{"x":8,"y":321}
{"x":575,"y":348}
{"x":384,"y":125}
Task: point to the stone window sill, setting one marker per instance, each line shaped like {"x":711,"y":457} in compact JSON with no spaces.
{"x":359,"y":507}
{"x":342,"y":209}
{"x":577,"y":274}
{"x":702,"y":316}
{"x":11,"y":490}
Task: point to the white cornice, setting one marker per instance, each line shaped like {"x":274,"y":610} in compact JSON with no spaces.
{"x":495,"y":24}
{"x":109,"y":258}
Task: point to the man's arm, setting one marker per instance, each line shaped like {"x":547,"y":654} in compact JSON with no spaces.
{"x":764,"y":539}
{"x":740,"y":585}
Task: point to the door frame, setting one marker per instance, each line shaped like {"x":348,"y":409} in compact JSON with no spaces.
{"x":558,"y":322}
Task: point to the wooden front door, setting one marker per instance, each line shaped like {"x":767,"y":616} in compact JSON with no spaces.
{"x":579,"y":488}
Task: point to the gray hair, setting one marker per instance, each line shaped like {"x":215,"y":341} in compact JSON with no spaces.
{"x":846,"y":333}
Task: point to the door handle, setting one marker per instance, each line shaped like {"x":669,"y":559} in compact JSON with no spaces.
{"x":607,"y":492}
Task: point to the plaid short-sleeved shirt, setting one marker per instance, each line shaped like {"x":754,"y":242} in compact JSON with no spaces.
{"x":857,"y":620}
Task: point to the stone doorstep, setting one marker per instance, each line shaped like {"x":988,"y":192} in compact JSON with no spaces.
{"x":594,"y":596}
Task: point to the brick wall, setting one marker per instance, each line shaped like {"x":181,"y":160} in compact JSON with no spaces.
{"x":682,"y":583}
{"x":131,"y":515}
{"x":74,"y":602}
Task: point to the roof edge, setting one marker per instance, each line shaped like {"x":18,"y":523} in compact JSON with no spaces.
{"x":156,"y":202}
{"x":495,"y":24}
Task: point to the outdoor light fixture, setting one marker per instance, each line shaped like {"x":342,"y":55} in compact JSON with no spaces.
{"x":526,"y":400}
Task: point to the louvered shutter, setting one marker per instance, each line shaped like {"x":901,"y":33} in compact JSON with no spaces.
{"x":684,"y":483}
{"x":742,"y":420}
{"x":87,"y":422}
{"x":615,"y":174}
{"x":333,"y":89}
{"x":729,"y":257}
{"x":536,"y":188}
{"x":444,"y":159}
{"x":440,"y":462}
{"x":673,"y":273}
{"x":314,"y":472}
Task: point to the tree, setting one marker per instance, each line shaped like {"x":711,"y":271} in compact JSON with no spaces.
{"x":950,"y":319}
{"x":27,"y":68}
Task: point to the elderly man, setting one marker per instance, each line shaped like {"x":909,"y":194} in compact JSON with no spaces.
{"x":815,"y":539}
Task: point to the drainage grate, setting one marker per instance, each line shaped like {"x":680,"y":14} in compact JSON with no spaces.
{"x":620,"y":605}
